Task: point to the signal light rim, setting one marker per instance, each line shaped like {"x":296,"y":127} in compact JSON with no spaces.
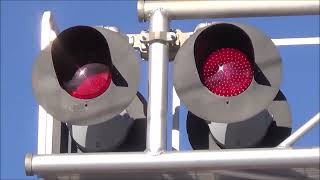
{"x":63,"y":107}
{"x":250,"y":102}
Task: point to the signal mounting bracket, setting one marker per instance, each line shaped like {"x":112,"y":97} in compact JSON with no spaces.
{"x":174,"y":38}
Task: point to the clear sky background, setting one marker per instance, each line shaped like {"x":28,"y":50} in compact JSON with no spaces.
{"x":20,"y":44}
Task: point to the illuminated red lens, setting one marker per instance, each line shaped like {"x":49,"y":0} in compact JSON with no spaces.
{"x":90,"y":81}
{"x":227,"y":72}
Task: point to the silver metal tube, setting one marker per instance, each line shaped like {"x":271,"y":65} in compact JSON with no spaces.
{"x":195,"y":9}
{"x":95,"y":163}
{"x":175,"y":141}
{"x":158,"y":83}
{"x":301,"y":131}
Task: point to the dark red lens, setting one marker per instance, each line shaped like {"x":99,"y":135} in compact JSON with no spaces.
{"x":90,"y":81}
{"x":227,"y":72}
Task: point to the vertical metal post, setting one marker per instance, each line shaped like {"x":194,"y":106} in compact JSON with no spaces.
{"x":158,"y":76}
{"x":48,"y":128}
{"x":176,"y":116}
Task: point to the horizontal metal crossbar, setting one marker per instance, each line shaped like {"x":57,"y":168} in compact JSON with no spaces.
{"x":196,"y":9}
{"x":100,"y":163}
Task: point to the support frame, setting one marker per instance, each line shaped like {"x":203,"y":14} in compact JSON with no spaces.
{"x":156,"y":158}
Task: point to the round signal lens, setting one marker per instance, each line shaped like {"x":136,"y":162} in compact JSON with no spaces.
{"x":227,"y":72}
{"x":89,"y":81}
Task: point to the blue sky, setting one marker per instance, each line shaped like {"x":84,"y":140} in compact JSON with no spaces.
{"x":20,"y":44}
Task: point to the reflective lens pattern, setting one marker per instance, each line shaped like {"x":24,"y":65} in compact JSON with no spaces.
{"x":227,"y":72}
{"x":89,"y":81}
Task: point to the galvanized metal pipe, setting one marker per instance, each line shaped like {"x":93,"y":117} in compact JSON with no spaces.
{"x":195,"y":9}
{"x":99,"y":163}
{"x":301,"y":131}
{"x":158,"y":84}
{"x":175,"y":140}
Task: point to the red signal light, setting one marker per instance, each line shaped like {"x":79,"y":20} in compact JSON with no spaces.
{"x":78,"y":82}
{"x":227,"y":72}
{"x":89,"y":81}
